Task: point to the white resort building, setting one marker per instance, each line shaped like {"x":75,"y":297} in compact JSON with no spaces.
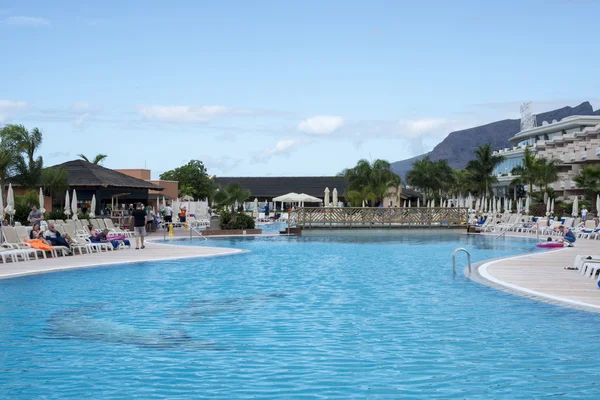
{"x":574,"y":141}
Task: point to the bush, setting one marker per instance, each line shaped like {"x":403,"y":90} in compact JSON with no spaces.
{"x":55,"y":214}
{"x":242,"y":221}
{"x":23,"y":206}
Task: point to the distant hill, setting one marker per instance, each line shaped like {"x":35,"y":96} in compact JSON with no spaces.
{"x":458,"y":146}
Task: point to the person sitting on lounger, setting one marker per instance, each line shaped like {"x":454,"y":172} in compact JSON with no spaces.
{"x":569,"y":236}
{"x":55,"y":238}
{"x":102,"y":237}
{"x":37,"y":233}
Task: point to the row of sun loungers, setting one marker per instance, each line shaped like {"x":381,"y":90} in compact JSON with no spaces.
{"x":15,"y":247}
{"x":525,"y":224}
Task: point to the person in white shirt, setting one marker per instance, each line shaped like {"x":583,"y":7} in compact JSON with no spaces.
{"x":168,"y":214}
{"x":584,"y":213}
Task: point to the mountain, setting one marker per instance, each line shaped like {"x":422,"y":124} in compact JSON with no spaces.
{"x":458,"y":146}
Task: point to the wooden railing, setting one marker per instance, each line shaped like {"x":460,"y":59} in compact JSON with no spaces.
{"x":356,"y":217}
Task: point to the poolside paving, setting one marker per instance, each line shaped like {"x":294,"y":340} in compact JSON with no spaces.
{"x":543,"y":275}
{"x":152,"y":252}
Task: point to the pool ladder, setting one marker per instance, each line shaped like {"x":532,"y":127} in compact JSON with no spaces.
{"x":454,"y":259}
{"x":197,"y":232}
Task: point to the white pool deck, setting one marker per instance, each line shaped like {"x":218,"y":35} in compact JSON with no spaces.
{"x":152,"y":252}
{"x":543,"y":275}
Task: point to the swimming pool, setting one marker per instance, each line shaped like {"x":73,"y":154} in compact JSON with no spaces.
{"x":349,"y":315}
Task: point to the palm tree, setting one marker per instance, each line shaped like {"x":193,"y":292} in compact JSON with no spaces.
{"x":230,"y":196}
{"x":545,"y":172}
{"x":55,"y":181}
{"x":370,"y":181}
{"x":10,"y":150}
{"x":432,"y":178}
{"x":588,"y":179}
{"x":98,"y":160}
{"x":26,"y":143}
{"x":482,"y":168}
{"x":463,"y":182}
{"x":526,"y":172}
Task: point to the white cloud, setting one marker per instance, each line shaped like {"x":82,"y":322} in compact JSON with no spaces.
{"x":222,"y":164}
{"x":80,"y":120}
{"x":82,"y":106}
{"x":321,"y":125}
{"x":416,"y":128}
{"x":188,"y":113}
{"x":282,"y":148}
{"x":28,"y":21}
{"x":9,"y":108}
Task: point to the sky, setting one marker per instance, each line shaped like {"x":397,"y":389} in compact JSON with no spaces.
{"x":277,"y":88}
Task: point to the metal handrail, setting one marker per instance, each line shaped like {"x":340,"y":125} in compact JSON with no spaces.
{"x":502,"y":234}
{"x":197,"y":232}
{"x":454,"y":259}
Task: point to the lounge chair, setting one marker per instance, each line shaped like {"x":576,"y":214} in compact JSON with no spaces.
{"x":12,"y":241}
{"x":113,"y":229}
{"x":23,"y":234}
{"x":14,"y":254}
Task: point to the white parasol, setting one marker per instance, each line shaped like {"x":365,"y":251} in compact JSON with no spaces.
{"x":527,"y":204}
{"x":255,"y":211}
{"x":363,"y":204}
{"x":432,"y":203}
{"x":575,"y":211}
{"x":92,"y":213}
{"x":10,"y":201}
{"x":164,"y":203}
{"x":326,"y":197}
{"x":547,"y":209}
{"x":67,"y":204}
{"x":418,"y":205}
{"x":1,"y":203}
{"x":74,"y":206}
{"x":335,"y":197}
{"x":41,"y":200}
{"x":552,"y":207}
{"x":597,"y":203}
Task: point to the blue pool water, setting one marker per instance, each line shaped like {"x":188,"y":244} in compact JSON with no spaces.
{"x":344,"y":316}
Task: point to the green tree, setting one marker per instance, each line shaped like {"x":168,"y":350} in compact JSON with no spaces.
{"x":431,"y":178}
{"x":232,"y":195}
{"x":482,"y":168}
{"x":525,"y":173}
{"x":28,"y":167}
{"x":193,"y":180}
{"x":10,"y":150}
{"x":55,"y":182}
{"x":463,"y":183}
{"x":545,"y":172}
{"x":588,"y":179}
{"x":370,"y":181}
{"x":98,"y":159}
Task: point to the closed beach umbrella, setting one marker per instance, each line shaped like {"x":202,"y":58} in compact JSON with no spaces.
{"x":67,"y":204}
{"x":575,"y":207}
{"x":335,"y":197}
{"x":418,"y":199}
{"x":164,"y":203}
{"x":157,"y":204}
{"x":527,"y":204}
{"x":597,"y":203}
{"x":74,"y":205}
{"x":552,"y":206}
{"x":93,"y":207}
{"x":255,"y":211}
{"x":499,"y":204}
{"x":363,"y":204}
{"x":1,"y":203}
{"x":326,"y":198}
{"x":10,"y":201}
{"x":547,"y":208}
{"x":41,"y":200}
{"x":432,"y":203}
{"x":408,"y":203}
